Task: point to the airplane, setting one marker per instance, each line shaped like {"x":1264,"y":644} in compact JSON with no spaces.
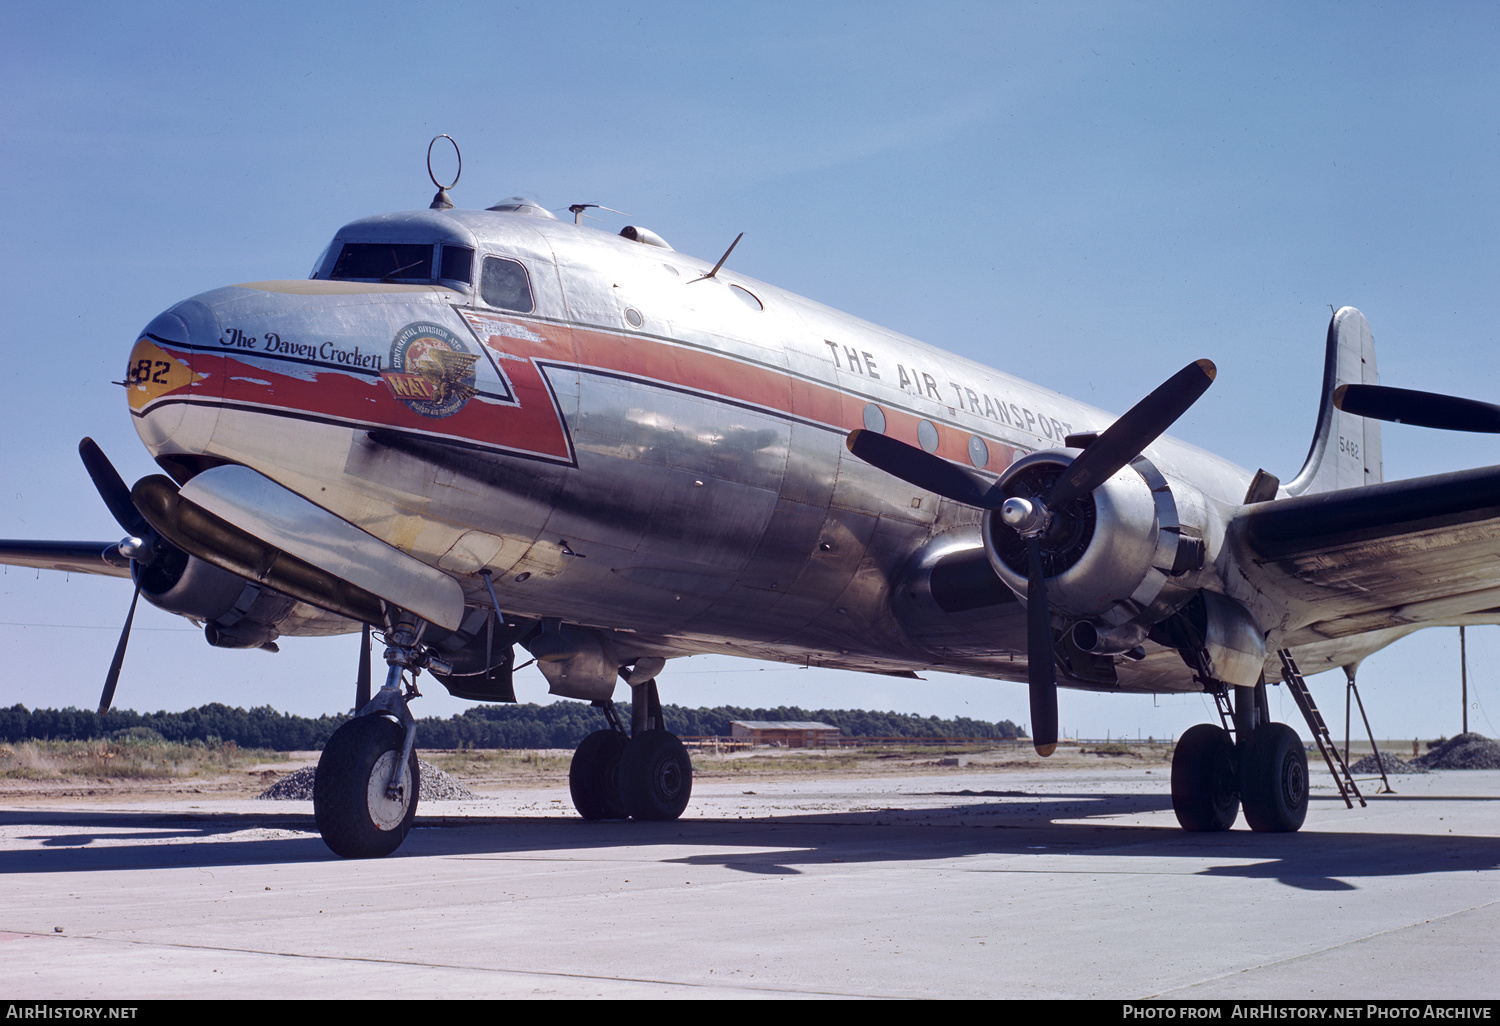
{"x":469,"y":431}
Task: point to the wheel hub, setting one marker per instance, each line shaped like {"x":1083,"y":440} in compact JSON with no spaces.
{"x":669,"y":779}
{"x":1293,"y":781}
{"x":387,"y":813}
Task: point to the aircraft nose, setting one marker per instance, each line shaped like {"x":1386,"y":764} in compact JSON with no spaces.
{"x":173,"y":368}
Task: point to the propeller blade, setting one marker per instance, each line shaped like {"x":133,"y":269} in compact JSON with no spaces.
{"x":925,"y":470}
{"x":107,"y":698}
{"x":1041,"y":669}
{"x":362,"y":682}
{"x":112,"y":489}
{"x":1136,"y":429}
{"x":1424,"y":409}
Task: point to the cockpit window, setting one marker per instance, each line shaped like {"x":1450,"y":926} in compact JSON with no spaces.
{"x":322,"y":259}
{"x":384,"y":261}
{"x":503,"y":283}
{"x":458,"y":263}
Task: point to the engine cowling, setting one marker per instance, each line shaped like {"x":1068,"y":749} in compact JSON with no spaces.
{"x":235,"y":613}
{"x":1114,"y":558}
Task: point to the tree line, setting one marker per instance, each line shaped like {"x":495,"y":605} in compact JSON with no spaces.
{"x":559,"y":725}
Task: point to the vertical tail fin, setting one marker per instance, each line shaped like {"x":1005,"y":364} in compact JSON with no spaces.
{"x":1345,"y":451}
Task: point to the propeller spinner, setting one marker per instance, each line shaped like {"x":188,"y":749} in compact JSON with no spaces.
{"x":1031,"y":516}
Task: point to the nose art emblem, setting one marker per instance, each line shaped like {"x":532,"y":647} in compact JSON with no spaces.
{"x":431,"y":371}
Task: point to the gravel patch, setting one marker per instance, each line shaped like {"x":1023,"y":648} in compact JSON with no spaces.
{"x":436,"y":786}
{"x":1393,"y":764}
{"x":1466,"y":751}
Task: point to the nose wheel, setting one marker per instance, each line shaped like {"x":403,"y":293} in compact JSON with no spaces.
{"x":358,"y":811}
{"x":366,"y":787}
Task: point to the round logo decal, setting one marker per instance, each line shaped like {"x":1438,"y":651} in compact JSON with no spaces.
{"x":430,"y":370}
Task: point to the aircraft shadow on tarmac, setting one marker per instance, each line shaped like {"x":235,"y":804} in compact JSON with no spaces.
{"x":1036,"y":825}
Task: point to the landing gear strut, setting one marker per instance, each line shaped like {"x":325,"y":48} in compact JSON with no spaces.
{"x":1265,"y":770}
{"x":367,"y":783}
{"x":643,"y":775}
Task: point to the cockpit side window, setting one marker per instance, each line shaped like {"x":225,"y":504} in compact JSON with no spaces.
{"x":457,"y":263}
{"x":504,"y":283}
{"x":384,"y":261}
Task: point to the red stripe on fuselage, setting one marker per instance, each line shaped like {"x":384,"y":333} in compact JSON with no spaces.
{"x":534,"y":425}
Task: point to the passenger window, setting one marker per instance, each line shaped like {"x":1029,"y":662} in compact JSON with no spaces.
{"x":384,"y":261}
{"x":458,"y":263}
{"x":503,"y":283}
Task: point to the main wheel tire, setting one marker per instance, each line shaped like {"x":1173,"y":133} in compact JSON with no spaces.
{"x":353,"y":814}
{"x":656,"y":776}
{"x":1205,"y":784}
{"x":1273,"y":779}
{"x":594,"y":776}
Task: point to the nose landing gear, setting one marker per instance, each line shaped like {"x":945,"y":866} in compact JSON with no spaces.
{"x":367,"y":783}
{"x":356,"y":815}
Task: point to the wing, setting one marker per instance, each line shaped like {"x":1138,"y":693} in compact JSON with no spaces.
{"x":1364,"y":559}
{"x":78,"y":557}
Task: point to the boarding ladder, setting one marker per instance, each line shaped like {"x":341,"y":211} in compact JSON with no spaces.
{"x":1336,"y":765}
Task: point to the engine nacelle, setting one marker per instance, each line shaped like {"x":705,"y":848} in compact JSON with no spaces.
{"x":578,"y":662}
{"x":235,"y":613}
{"x":1113,"y":557}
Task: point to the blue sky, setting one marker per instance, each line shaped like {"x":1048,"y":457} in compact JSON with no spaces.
{"x":1084,"y":195}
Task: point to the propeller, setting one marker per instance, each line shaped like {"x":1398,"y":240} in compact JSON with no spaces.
{"x":142,"y":545}
{"x":1424,"y":409}
{"x":1031,"y":516}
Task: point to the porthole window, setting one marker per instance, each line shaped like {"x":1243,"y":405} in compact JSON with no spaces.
{"x":747,"y":297}
{"x":927,"y":435}
{"x":874,"y":419}
{"x":979,"y":453}
{"x":634,"y":317}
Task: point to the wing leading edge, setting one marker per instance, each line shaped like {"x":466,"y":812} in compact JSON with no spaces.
{"x":1362,"y":559}
{"x":76,"y":557}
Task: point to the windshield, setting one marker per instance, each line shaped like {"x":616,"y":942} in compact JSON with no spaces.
{"x":384,"y":261}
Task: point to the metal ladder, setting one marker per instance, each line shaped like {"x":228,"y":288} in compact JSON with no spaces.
{"x":1336,"y":766}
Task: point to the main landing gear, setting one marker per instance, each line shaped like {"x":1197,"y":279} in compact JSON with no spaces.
{"x":645,"y":774}
{"x":1265,"y":771}
{"x":367,"y":783}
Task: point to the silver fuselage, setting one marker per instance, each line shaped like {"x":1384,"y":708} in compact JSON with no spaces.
{"x":645,"y":451}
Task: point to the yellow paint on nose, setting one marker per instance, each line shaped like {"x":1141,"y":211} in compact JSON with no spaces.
{"x":154,"y":372}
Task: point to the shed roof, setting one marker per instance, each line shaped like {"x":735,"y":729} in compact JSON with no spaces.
{"x":784,"y":725}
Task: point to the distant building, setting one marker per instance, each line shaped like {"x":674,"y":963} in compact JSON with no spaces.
{"x":785,"y":733}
